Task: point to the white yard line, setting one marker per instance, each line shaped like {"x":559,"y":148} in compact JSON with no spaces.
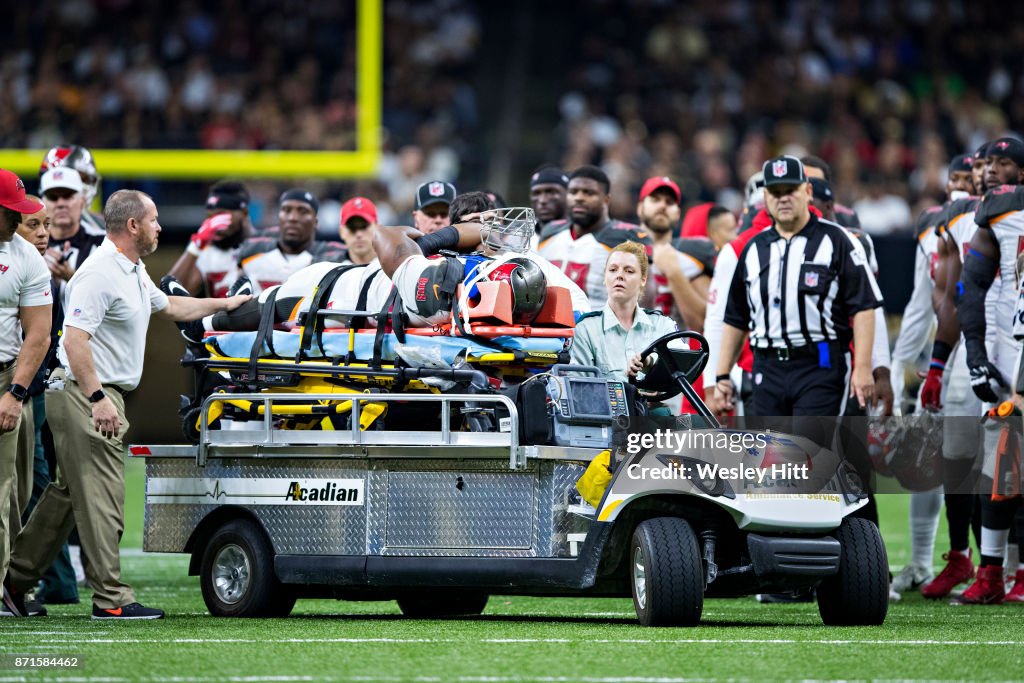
{"x":69,"y":640}
{"x":416,"y":679}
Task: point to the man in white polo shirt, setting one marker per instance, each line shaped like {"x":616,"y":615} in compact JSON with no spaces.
{"x":101,"y":351}
{"x":24,"y":310}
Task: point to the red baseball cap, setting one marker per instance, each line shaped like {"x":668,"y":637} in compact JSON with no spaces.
{"x":12,"y":194}
{"x":358,"y":206}
{"x":658,"y":182}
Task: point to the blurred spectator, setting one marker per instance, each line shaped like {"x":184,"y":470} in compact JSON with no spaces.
{"x":432,"y":201}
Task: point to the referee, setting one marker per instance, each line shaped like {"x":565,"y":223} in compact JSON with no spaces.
{"x":802,"y":290}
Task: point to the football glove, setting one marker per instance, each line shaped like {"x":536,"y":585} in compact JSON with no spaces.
{"x":986,"y":381}
{"x":931,"y":390}
{"x":211,"y":229}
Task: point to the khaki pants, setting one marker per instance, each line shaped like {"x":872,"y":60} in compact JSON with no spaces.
{"x":8,"y":459}
{"x":89,"y":494}
{"x":21,"y":492}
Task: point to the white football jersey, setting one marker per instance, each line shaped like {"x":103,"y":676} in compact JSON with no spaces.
{"x":219,"y":269}
{"x":265,"y":265}
{"x":583,"y":258}
{"x":345,"y":292}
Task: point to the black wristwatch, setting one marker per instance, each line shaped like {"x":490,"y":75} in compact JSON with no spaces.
{"x":97,"y":396}
{"x":19,"y":392}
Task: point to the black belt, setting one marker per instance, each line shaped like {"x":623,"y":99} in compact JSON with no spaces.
{"x":108,"y":387}
{"x":124,"y":392}
{"x":787,"y":353}
{"x":7,"y":364}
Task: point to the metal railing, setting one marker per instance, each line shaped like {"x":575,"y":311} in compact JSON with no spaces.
{"x":268,"y":436}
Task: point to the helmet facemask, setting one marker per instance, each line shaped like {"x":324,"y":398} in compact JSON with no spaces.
{"x":508,"y":229}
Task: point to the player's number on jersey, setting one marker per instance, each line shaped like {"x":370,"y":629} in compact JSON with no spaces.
{"x":577,"y":272}
{"x":215,"y":284}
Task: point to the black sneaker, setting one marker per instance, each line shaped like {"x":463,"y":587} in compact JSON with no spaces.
{"x":33,"y":608}
{"x":242,"y":285}
{"x":130,"y":611}
{"x":192,"y":331}
{"x":14,"y":602}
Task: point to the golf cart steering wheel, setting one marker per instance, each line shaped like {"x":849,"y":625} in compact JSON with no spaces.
{"x":675,"y":362}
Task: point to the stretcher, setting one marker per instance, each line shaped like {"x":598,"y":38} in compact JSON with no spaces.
{"x":313,"y":358}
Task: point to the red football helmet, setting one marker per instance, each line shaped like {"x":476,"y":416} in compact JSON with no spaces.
{"x":78,"y":158}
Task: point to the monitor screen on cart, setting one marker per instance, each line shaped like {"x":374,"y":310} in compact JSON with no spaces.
{"x":589,"y":398}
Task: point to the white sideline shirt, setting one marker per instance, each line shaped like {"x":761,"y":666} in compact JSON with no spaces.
{"x":112,"y":299}
{"x":24,"y":281}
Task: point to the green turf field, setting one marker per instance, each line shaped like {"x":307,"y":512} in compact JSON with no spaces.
{"x":517,"y":639}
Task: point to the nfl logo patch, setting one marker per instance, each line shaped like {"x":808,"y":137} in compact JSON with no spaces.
{"x":436,"y":189}
{"x":779,"y":168}
{"x":77,"y":312}
{"x":811,"y":279}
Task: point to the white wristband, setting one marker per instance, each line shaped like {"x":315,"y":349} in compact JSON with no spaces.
{"x":193,"y":249}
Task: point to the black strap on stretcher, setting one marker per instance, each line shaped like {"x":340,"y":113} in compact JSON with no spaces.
{"x":264,"y":333}
{"x":392,"y":309}
{"x":358,"y":322}
{"x":313,"y":326}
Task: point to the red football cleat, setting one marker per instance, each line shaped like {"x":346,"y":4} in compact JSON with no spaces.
{"x":959,"y":568}
{"x":1016,"y":593}
{"x":987,"y":589}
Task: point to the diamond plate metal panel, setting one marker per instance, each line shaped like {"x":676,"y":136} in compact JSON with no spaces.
{"x":304,"y":530}
{"x":315,"y":530}
{"x":558,"y":483}
{"x":377,"y":509}
{"x":461,"y":509}
{"x":412,"y":507}
{"x":168,"y":527}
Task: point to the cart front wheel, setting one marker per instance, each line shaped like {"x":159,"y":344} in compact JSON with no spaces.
{"x":666,"y":573}
{"x":859,"y":594}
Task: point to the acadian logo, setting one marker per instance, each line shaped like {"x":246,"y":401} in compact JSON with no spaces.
{"x":254,"y":491}
{"x":328,"y":493}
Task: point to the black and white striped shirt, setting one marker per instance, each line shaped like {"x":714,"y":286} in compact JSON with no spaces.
{"x":801,"y":291}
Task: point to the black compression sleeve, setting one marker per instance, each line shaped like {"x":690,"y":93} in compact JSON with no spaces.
{"x":978,"y":274}
{"x":245,"y":317}
{"x":445,"y":238}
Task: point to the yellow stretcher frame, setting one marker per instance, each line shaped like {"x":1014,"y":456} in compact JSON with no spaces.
{"x":203,"y":164}
{"x":324,"y":410}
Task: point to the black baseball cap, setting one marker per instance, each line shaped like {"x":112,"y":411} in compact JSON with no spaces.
{"x":961,"y":162}
{"x":230,"y":196}
{"x":784,"y":170}
{"x":434,"y":192}
{"x":1010,"y":148}
{"x":297,"y":194}
{"x":821,"y":189}
{"x":549,"y":175}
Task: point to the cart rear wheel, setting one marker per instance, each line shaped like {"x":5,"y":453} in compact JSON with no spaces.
{"x":430,"y":603}
{"x":666,"y":573}
{"x":237,"y":574}
{"x":859,"y":594}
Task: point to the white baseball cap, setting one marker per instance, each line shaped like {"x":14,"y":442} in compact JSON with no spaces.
{"x":61,"y":177}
